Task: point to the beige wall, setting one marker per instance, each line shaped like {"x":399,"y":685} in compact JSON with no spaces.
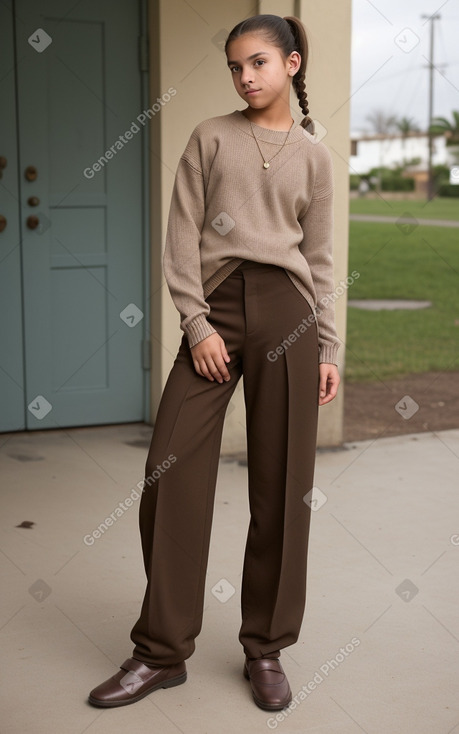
{"x":186,"y":52}
{"x":328,"y":25}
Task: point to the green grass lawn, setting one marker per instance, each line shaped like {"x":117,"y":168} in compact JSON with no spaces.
{"x":443,"y":208}
{"x":422,"y":265}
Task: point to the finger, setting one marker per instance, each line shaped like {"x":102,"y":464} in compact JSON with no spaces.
{"x":197,"y":367}
{"x":205,"y":370}
{"x":333,"y":388}
{"x":324,"y":401}
{"x":217,"y":366}
{"x":323,"y":383}
{"x":221,"y":364}
{"x":212,"y":368}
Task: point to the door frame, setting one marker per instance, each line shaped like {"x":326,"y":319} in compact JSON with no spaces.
{"x":145,"y":285}
{"x":146,"y":223}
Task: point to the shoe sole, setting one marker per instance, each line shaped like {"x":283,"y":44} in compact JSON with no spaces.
{"x":165,"y":684}
{"x":262,"y":704}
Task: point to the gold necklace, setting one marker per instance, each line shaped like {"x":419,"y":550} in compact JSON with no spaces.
{"x":266,"y":163}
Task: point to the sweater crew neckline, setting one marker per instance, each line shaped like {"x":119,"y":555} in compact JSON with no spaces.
{"x":266,"y":134}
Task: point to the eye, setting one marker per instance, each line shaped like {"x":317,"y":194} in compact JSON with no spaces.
{"x":235,"y":68}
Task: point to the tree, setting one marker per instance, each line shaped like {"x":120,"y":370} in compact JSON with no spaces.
{"x":383,"y":124}
{"x":406,"y":125}
{"x":442,"y":126}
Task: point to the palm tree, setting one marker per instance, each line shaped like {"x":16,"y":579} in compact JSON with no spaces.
{"x":442,"y":126}
{"x":406,"y":125}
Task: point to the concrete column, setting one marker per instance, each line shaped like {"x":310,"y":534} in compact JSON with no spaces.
{"x":328,"y":80}
{"x":186,"y":53}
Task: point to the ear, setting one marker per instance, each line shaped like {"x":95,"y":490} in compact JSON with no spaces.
{"x":294,"y":62}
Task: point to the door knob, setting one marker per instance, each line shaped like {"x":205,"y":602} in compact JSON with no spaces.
{"x":33,"y":201}
{"x":31,"y":173}
{"x":2,"y":222}
{"x":32,"y":221}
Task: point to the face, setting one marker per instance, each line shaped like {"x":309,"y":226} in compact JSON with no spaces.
{"x":257,"y":65}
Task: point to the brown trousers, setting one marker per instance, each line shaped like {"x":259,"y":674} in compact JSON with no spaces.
{"x":254,"y":310}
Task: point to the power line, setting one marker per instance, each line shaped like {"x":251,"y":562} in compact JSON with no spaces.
{"x":442,"y":41}
{"x":406,"y":71}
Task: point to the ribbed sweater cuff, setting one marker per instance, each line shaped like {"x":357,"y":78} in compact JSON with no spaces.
{"x":329,"y":353}
{"x":198,"y":329}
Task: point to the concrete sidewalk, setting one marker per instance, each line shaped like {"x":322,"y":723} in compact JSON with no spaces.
{"x":410,"y":220}
{"x":379,"y":648}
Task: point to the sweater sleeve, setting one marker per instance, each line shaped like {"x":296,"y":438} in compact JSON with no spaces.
{"x":317,"y":247}
{"x":182,"y":260}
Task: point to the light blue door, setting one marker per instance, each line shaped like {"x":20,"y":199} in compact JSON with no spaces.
{"x":11,"y":344}
{"x":72,"y":267}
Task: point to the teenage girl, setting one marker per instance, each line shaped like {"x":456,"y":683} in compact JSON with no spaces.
{"x":248,"y":261}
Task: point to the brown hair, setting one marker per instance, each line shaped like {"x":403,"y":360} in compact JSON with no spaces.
{"x":288,"y":34}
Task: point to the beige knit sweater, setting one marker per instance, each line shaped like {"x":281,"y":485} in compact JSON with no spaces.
{"x":226,"y":208}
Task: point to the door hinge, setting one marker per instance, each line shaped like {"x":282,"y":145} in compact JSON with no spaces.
{"x":143,"y":53}
{"x":146,"y":354}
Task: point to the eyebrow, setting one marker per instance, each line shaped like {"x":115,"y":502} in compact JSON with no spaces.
{"x":259,"y":53}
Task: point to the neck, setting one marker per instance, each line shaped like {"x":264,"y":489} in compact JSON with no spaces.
{"x":273,"y":121}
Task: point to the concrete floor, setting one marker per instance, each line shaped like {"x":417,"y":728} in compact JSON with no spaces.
{"x":382,"y":580}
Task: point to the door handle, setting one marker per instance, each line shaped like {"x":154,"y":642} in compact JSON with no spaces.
{"x":2,"y":222}
{"x":31,"y":173}
{"x":32,"y":221}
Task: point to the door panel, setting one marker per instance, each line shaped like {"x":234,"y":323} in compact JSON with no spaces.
{"x":78,"y":91}
{"x":12,"y":416}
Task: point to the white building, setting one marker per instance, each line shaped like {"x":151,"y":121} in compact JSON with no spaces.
{"x":372,"y":151}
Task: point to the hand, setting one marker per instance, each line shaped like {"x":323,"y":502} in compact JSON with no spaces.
{"x":329,"y":381}
{"x":209,"y":357}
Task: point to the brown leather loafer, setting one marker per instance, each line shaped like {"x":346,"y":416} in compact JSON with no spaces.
{"x":134,"y":681}
{"x":270,"y":687}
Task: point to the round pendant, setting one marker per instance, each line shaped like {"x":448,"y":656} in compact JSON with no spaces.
{"x":266,"y":164}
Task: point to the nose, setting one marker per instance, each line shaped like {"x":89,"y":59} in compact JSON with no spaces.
{"x":247,"y":77}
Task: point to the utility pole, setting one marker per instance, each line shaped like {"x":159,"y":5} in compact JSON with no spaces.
{"x":430,"y":192}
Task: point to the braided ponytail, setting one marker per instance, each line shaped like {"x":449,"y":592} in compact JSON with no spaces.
{"x":288,"y":34}
{"x":298,"y":81}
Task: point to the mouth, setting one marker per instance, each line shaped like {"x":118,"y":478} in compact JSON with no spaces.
{"x":253,"y":91}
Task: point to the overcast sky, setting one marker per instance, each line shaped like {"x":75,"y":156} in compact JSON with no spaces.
{"x":389,"y":63}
